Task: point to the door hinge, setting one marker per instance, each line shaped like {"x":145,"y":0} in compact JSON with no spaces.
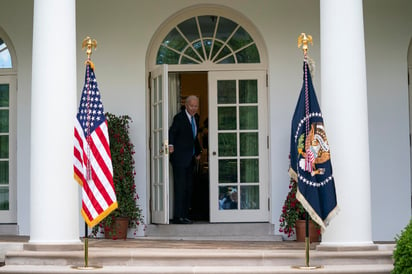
{"x":267,"y":141}
{"x":267,"y":80}
{"x":268,"y":204}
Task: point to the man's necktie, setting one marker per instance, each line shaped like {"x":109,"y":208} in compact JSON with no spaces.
{"x":193,"y":127}
{"x":194,"y":132}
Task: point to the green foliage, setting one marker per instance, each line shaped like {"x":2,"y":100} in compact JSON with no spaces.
{"x":402,"y":254}
{"x":122,"y":151}
{"x":292,"y":211}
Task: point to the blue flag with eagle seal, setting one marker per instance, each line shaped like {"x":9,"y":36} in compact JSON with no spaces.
{"x":310,"y":163}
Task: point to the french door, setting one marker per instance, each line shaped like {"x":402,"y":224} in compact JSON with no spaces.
{"x":8,"y":148}
{"x":159,"y":125}
{"x":238,"y":149}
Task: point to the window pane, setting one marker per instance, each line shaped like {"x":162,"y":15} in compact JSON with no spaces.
{"x":167,"y":56}
{"x":4,"y":198}
{"x":227,"y":144}
{"x":175,"y":40}
{"x":249,"y":198}
{"x":4,"y":172}
{"x":4,"y":146}
{"x":4,"y":121}
{"x":228,"y":197}
{"x":155,"y":117}
{"x":160,"y":125}
{"x":249,"y":170}
{"x":248,"y":55}
{"x":5,"y":58}
{"x":189,"y":29}
{"x":160,"y":143}
{"x":216,"y":47}
{"x":227,"y":171}
{"x":225,"y":29}
{"x":226,"y":117}
{"x":228,"y":60}
{"x":224,"y":54}
{"x":4,"y":95}
{"x":249,"y":144}
{"x":161,"y":185}
{"x":226,"y":91}
{"x":198,"y":47}
{"x":187,"y":61}
{"x":207,"y":25}
{"x":190,"y":52}
{"x":160,"y":86}
{"x":208,"y":44}
{"x":248,"y":117}
{"x":239,"y":39}
{"x":247,"y":91}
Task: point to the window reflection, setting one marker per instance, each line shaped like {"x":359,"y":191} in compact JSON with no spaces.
{"x":228,"y":197}
{"x":5,"y":58}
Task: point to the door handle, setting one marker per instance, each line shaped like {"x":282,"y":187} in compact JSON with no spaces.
{"x":214,"y":153}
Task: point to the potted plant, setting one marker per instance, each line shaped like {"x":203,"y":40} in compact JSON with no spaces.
{"x":122,"y":151}
{"x":293,"y":216}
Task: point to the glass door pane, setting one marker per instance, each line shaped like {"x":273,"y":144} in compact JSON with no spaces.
{"x":8,"y":150}
{"x":4,"y":146}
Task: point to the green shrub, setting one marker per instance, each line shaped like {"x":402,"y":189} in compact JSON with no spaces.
{"x":402,"y":254}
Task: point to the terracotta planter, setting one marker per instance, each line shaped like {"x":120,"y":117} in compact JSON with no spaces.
{"x":301,"y":231}
{"x":118,"y":230}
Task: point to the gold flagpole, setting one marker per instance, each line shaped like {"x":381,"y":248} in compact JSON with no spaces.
{"x":89,"y":44}
{"x":303,"y":41}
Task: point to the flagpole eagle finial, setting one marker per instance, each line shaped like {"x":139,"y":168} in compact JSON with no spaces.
{"x":89,"y":43}
{"x":304,"y":40}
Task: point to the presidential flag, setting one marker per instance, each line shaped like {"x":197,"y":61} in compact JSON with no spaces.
{"x":310,"y":163}
{"x":92,"y":160}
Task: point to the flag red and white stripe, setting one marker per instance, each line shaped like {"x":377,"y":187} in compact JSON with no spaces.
{"x":92,"y":159}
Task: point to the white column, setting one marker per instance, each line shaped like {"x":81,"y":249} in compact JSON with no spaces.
{"x":345,"y":110}
{"x":54,"y":201}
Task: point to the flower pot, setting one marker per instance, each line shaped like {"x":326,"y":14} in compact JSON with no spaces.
{"x":118,"y":229}
{"x":301,"y":231}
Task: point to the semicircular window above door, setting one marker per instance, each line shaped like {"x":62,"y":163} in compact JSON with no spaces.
{"x":208,"y":39}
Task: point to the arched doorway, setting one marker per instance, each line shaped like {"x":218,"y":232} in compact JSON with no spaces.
{"x":217,"y":54}
{"x":8,"y":136}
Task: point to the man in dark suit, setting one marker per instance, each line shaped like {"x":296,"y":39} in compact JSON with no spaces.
{"x":184,"y":150}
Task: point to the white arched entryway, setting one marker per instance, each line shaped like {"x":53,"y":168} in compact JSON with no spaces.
{"x":217,"y":54}
{"x":8,"y":136}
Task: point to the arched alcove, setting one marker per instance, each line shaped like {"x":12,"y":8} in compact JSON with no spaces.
{"x":207,"y":37}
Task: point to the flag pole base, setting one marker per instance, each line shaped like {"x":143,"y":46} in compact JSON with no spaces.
{"x":307,"y":267}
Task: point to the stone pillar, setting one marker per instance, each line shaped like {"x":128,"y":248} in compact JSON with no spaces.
{"x":345,"y":110}
{"x":54,"y":204}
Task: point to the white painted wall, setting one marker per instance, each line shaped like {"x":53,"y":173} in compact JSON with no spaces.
{"x":124,"y":29}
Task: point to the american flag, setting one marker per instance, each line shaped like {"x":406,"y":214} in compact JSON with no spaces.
{"x":92,"y":160}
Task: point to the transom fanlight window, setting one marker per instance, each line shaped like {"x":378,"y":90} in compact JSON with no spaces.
{"x":208,"y":38}
{"x":5,"y":58}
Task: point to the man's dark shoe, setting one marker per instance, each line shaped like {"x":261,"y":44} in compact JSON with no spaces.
{"x":182,"y":221}
{"x":187,"y":221}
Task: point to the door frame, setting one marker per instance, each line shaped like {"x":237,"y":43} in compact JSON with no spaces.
{"x":10,"y":216}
